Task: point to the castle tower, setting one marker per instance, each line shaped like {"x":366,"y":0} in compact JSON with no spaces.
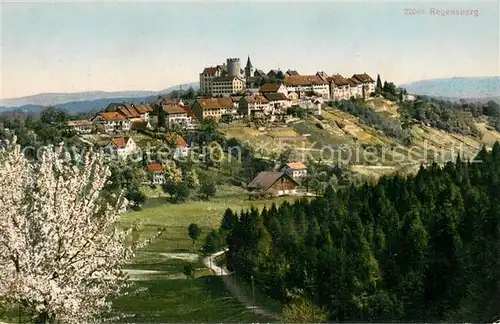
{"x":249,"y":70}
{"x":233,"y":67}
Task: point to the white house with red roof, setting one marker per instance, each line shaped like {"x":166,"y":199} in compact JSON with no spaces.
{"x":121,"y":146}
{"x":296,"y":170}
{"x":112,"y":122}
{"x":80,"y":126}
{"x":156,"y":173}
{"x":178,"y":144}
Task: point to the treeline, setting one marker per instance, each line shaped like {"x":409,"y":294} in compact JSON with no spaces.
{"x":421,"y":248}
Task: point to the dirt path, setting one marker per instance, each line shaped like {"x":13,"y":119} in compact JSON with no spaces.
{"x":233,"y":287}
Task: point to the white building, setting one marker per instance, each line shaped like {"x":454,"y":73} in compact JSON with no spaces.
{"x":296,"y":170}
{"x":356,"y":88}
{"x":307,"y":85}
{"x":253,"y":104}
{"x":227,"y":85}
{"x":278,"y":101}
{"x":368,"y":84}
{"x":80,"y":126}
{"x":155,"y":173}
{"x":207,"y":76}
{"x":177,"y":115}
{"x":340,"y":88}
{"x":121,"y":146}
{"x":113,"y":122}
{"x":178,"y":144}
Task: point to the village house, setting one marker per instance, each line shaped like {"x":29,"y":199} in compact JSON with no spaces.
{"x":306,"y":85}
{"x":254,"y":104}
{"x":121,"y":146}
{"x":144,"y":111}
{"x":296,"y":170}
{"x":339,"y":88}
{"x":273,"y":88}
{"x":176,"y":115}
{"x":274,"y":183}
{"x":80,"y":126}
{"x":212,"y":108}
{"x":227,"y":85}
{"x":127,"y":110}
{"x":368,"y":84}
{"x":155,"y":173}
{"x":356,"y":88}
{"x":113,"y":122}
{"x":178,"y":144}
{"x":278,"y":101}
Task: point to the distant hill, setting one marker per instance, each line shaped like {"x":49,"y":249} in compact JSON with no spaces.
{"x":471,"y":88}
{"x":76,"y":100}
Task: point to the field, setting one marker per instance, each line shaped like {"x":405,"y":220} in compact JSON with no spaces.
{"x":169,"y":296}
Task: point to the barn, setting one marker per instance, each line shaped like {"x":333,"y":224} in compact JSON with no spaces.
{"x":275,"y":183}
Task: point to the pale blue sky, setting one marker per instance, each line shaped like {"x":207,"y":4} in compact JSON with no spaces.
{"x":70,"y":47}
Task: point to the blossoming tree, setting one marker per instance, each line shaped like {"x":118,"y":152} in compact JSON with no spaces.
{"x":60,"y":250}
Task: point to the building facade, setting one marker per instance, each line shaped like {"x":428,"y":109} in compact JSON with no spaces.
{"x":227,"y":86}
{"x":306,"y":85}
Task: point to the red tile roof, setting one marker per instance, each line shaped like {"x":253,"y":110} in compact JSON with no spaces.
{"x":297,"y":80}
{"x":363,"y":78}
{"x":119,"y":142}
{"x":154,"y":167}
{"x":82,"y":122}
{"x":173,"y":109}
{"x":353,"y":82}
{"x":215,"y":103}
{"x":296,"y":165}
{"x":179,"y":141}
{"x":111,"y":116}
{"x":144,"y":108}
{"x":270,"y":87}
{"x":338,"y":80}
{"x":210,"y":70}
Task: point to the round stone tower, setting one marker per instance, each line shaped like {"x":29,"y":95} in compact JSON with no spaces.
{"x":233,"y":67}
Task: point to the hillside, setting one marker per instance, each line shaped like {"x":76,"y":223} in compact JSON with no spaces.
{"x":342,"y":138}
{"x":477,"y":88}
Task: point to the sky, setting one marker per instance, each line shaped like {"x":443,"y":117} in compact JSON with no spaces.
{"x":74,"y":46}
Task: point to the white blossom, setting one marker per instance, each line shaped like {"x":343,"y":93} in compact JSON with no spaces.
{"x":60,"y":250}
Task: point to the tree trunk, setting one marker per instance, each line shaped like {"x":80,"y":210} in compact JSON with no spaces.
{"x":44,"y":318}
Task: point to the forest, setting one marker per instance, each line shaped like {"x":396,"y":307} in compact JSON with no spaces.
{"x":416,"y":248}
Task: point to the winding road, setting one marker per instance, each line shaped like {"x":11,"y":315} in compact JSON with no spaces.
{"x":228,"y":281}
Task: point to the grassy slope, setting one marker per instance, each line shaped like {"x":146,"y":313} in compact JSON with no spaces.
{"x":203,"y":299}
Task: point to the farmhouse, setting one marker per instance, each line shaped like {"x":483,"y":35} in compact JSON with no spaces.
{"x":155,"y":173}
{"x":111,"y":121}
{"x":121,"y":146}
{"x":80,"y":126}
{"x":275,"y":183}
{"x":296,"y":170}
